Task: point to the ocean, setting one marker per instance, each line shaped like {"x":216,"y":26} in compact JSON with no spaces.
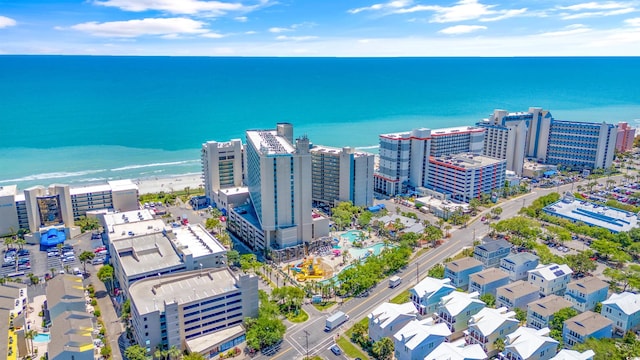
{"x":84,"y":119}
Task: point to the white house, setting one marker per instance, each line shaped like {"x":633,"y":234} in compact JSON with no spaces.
{"x":450,"y":351}
{"x":565,"y":354}
{"x":427,"y":293}
{"x":388,"y":318}
{"x":419,"y":338}
{"x":624,"y":310}
{"x":551,"y":278}
{"x":456,"y":309}
{"x":529,"y":344}
{"x":489,"y":325}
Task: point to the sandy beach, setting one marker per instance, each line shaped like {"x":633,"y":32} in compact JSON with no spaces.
{"x":168,"y":184}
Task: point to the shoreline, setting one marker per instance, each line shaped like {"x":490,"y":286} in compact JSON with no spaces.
{"x":168,"y":183}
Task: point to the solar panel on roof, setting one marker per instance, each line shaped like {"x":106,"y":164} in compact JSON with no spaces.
{"x":554,"y":267}
{"x":558,"y":273}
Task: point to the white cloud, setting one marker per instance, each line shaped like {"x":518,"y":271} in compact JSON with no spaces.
{"x":607,"y":5}
{"x":295,"y":38}
{"x":240,"y":18}
{"x":6,"y":22}
{"x":294,"y":27}
{"x":568,"y":30}
{"x":506,"y":14}
{"x":212,"y":35}
{"x":633,"y":22}
{"x":583,"y":15}
{"x":397,"y":4}
{"x":277,"y":30}
{"x":250,"y":32}
{"x":595,"y":9}
{"x":149,"y":26}
{"x":182,"y":7}
{"x":461,"y":29}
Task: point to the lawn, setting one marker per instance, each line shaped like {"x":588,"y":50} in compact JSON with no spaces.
{"x":350,"y":349}
{"x":364,"y":321}
{"x":301,"y":317}
{"x":402,"y":298}
{"x":324,"y":305}
{"x":420,"y":252}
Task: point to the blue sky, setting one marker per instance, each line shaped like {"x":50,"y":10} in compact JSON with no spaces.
{"x":321,"y":27}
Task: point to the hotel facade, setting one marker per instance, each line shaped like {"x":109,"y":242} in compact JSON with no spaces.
{"x":222,"y":167}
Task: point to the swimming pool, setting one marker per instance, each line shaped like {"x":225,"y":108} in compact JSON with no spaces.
{"x":362,"y":253}
{"x":352,"y":235}
{"x":42,"y":338}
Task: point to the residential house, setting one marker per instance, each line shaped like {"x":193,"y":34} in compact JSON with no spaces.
{"x":566,"y":354}
{"x":518,"y":265}
{"x":456,"y":309}
{"x":624,"y":310}
{"x":488,"y":281}
{"x":427,"y":293}
{"x":540,"y":312}
{"x":492,"y":251}
{"x":585,"y":293}
{"x":418,"y":338}
{"x":71,"y":337}
{"x":551,"y":278}
{"x":458,"y":271}
{"x":450,"y":351}
{"x":516,"y":295}
{"x":529,"y":344}
{"x":586,"y":325}
{"x":489,"y":325}
{"x":388,"y":318}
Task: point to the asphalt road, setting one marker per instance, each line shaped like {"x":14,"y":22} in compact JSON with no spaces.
{"x":295,"y":340}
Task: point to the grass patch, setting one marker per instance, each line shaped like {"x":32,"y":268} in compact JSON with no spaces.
{"x":350,"y":349}
{"x":324,"y":305}
{"x":463,"y":254}
{"x":313,"y":358}
{"x":301,"y":317}
{"x":402,"y":298}
{"x":364,"y":321}
{"x":421,"y":251}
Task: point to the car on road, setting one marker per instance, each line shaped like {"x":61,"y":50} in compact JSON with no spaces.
{"x":98,"y":249}
{"x":336,"y":350}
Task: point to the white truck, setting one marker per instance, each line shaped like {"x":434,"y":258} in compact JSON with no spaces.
{"x":335,"y":320}
{"x":394,"y":281}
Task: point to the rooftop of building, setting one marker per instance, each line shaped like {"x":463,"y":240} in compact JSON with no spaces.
{"x":491,"y":245}
{"x":520,"y":258}
{"x":110,"y":219}
{"x":488,"y":276}
{"x":268,"y":142}
{"x":223,"y":144}
{"x":612,"y":219}
{"x":588,"y":284}
{"x":587,"y":323}
{"x":196,"y":240}
{"x":235,"y":190}
{"x":137,"y":228}
{"x":11,"y":289}
{"x":386,"y":313}
{"x":548,"y":305}
{"x":463,"y":264}
{"x":430,"y":285}
{"x":416,"y":331}
{"x":566,"y":354}
{"x":517,"y":289}
{"x":488,"y":320}
{"x":449,"y":351}
{"x":334,"y":150}
{"x":150,"y":295}
{"x":205,"y":342}
{"x":441,"y":203}
{"x":418,"y":134}
{"x":628,"y":302}
{"x":65,"y":288}
{"x":457,"y":301}
{"x":526,"y":341}
{"x":112,"y":185}
{"x":146,"y":254}
{"x":552,"y":271}
{"x":71,"y":332}
{"x":466,"y":161}
{"x":248,"y":213}
{"x":8,"y":190}
{"x":456,"y":130}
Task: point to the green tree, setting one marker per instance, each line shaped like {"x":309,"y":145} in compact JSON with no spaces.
{"x":436,"y":271}
{"x":557,"y":322}
{"x":581,"y":262}
{"x":383,"y":349}
{"x":496,"y":211}
{"x":135,"y":352}
{"x":8,"y":241}
{"x":106,"y":274}
{"x":499,"y":344}
{"x":488,"y":299}
{"x":193,"y":356}
{"x":87,"y":223}
{"x":521,"y":315}
{"x":233,"y":257}
{"x":174,"y":353}
{"x":212,"y":223}
{"x":85,"y":257}
{"x":126,"y":310}
{"x":29,"y":335}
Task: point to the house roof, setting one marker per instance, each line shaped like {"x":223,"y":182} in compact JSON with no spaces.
{"x":493,"y":245}
{"x":516,"y":289}
{"x":417,"y":331}
{"x":520,"y":258}
{"x":428,"y":286}
{"x":71,"y":332}
{"x":489,"y":320}
{"x":488,"y":276}
{"x":526,"y":341}
{"x":11,"y":290}
{"x":386,"y":313}
{"x":588,"y":284}
{"x":463,"y":264}
{"x":628,"y":302}
{"x":65,"y":288}
{"x":457,"y":301}
{"x":448,"y":351}
{"x":549,"y":305}
{"x":587,"y":323}
{"x":565,"y":354}
{"x":552,"y":271}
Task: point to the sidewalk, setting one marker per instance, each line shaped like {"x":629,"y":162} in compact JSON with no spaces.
{"x":109,"y":317}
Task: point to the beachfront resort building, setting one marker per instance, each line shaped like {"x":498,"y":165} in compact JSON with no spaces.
{"x":200,"y":311}
{"x":341,"y":175}
{"x":39,"y":209}
{"x":404,"y":156}
{"x":222,"y":168}
{"x":625,"y":137}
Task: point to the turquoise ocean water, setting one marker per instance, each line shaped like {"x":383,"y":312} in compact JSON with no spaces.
{"x":77,"y":119}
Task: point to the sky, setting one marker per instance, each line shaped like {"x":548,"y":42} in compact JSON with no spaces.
{"x":354,"y":28}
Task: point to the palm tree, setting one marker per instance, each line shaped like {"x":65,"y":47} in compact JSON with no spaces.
{"x":85,"y":257}
{"x":30,"y":334}
{"x":160,"y":352}
{"x":8,"y":241}
{"x":446,"y":229}
{"x":20,"y":242}
{"x":174,"y":353}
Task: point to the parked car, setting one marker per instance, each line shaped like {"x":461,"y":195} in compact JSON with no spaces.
{"x":97,"y":261}
{"x":336,"y":350}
